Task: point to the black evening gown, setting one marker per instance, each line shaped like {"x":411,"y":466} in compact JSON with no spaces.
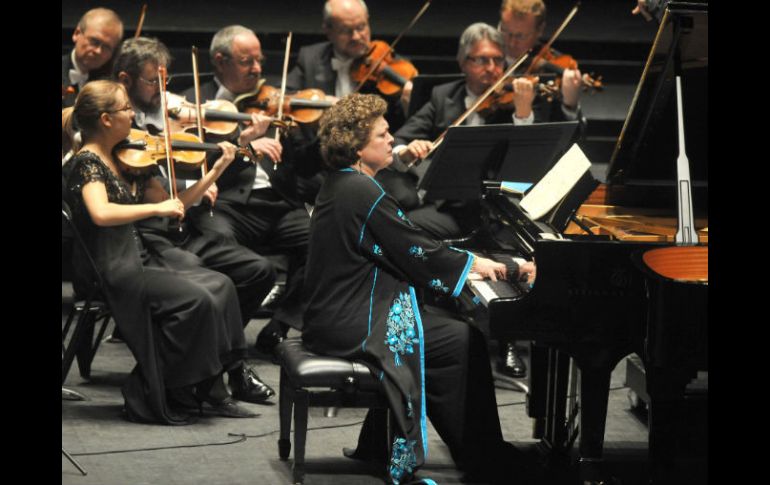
{"x":182,"y":323}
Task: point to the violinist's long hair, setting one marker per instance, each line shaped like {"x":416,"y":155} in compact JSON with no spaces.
{"x":95,"y":98}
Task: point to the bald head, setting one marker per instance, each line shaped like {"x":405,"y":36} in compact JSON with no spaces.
{"x":346,"y":25}
{"x":96,"y":37}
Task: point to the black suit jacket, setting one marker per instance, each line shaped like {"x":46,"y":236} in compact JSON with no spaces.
{"x":300,"y":158}
{"x":314,"y":70}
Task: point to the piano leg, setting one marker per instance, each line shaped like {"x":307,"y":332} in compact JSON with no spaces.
{"x":594,"y":392}
{"x":547,"y":399}
{"x":670,"y":458}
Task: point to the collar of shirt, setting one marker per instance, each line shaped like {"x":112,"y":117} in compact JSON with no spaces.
{"x":143,"y":119}
{"x":76,"y":75}
{"x":473,"y":119}
{"x":340,"y":63}
{"x":223,"y":92}
{"x":343,"y":85}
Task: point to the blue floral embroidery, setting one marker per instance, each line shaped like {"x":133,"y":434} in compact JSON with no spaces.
{"x":418,"y":253}
{"x":401,"y":336}
{"x":403,"y":461}
{"x":376,"y":249}
{"x":438,"y":285}
{"x":401,"y":214}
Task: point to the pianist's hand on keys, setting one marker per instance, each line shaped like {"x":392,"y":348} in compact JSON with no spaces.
{"x":487,"y":268}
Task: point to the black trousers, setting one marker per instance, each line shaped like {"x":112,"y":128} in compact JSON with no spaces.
{"x":253,"y":275}
{"x":459,"y":394}
{"x":266,"y":224}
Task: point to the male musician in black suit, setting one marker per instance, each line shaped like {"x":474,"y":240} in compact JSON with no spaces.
{"x":259,"y":205}
{"x":327,"y":65}
{"x":480,"y":57}
{"x":96,"y":37}
{"x":522,"y":23}
{"x":136,"y":67}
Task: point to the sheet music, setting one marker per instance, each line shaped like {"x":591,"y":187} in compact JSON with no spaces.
{"x":557,"y":183}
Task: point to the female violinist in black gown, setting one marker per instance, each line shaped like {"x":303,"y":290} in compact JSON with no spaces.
{"x":182,"y":324}
{"x":365,"y":260}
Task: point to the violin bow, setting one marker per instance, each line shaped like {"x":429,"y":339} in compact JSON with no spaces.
{"x":392,"y":45}
{"x":198,"y":113}
{"x":553,"y":38}
{"x":141,"y":21}
{"x":167,"y":133}
{"x":283,"y":91}
{"x":478,"y":102}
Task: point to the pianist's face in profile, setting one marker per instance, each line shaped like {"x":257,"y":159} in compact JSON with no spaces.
{"x":354,"y":134}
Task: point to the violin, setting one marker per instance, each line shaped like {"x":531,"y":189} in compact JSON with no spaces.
{"x":142,"y":150}
{"x":305,"y":106}
{"x":502,"y":97}
{"x":380,"y":67}
{"x":550,"y":61}
{"x":220,"y":118}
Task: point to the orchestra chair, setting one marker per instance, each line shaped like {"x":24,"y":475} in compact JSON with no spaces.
{"x":312,"y":380}
{"x":87,"y":314}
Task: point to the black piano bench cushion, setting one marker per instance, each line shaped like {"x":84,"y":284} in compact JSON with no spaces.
{"x":307,"y":369}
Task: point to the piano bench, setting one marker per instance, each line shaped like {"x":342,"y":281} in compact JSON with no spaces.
{"x":312,"y":380}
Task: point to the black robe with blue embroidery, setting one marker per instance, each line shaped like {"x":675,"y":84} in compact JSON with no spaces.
{"x":365,"y":260}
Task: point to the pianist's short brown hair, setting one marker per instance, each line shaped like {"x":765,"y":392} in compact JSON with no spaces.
{"x":345,"y":128}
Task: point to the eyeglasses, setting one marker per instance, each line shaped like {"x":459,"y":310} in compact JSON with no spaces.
{"x":96,"y":44}
{"x":519,"y":36}
{"x":127,"y":107}
{"x":154,"y":82}
{"x":348,"y":31}
{"x":249,"y":61}
{"x":482,"y":61}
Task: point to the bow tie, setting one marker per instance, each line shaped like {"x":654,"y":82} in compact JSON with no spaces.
{"x":77,"y":77}
{"x":339,"y":64}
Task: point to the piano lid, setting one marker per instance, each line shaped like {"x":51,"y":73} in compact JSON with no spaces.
{"x":647,"y":148}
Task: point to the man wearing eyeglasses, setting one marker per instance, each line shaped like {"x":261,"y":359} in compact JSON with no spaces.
{"x":260,"y":204}
{"x":522,"y":23}
{"x":480,"y":57}
{"x":327,"y":65}
{"x":136,"y":67}
{"x":96,"y":37}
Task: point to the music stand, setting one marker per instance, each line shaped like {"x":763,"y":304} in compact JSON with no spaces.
{"x":470,"y":154}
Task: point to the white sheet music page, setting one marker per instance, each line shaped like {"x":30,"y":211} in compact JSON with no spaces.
{"x":557,"y":183}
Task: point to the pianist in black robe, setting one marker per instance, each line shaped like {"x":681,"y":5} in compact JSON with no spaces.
{"x":366,"y":261}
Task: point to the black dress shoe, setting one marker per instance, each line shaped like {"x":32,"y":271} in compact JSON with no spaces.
{"x":227,"y":408}
{"x":246,"y":386}
{"x":270,"y":336}
{"x":510,"y":363}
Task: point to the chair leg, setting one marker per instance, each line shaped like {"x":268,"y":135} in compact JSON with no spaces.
{"x":74,"y":343}
{"x":91,"y":345}
{"x":84,"y":351}
{"x":285,"y":405}
{"x":301,"y":404}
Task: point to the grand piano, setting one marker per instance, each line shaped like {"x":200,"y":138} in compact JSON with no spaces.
{"x":597,"y":298}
